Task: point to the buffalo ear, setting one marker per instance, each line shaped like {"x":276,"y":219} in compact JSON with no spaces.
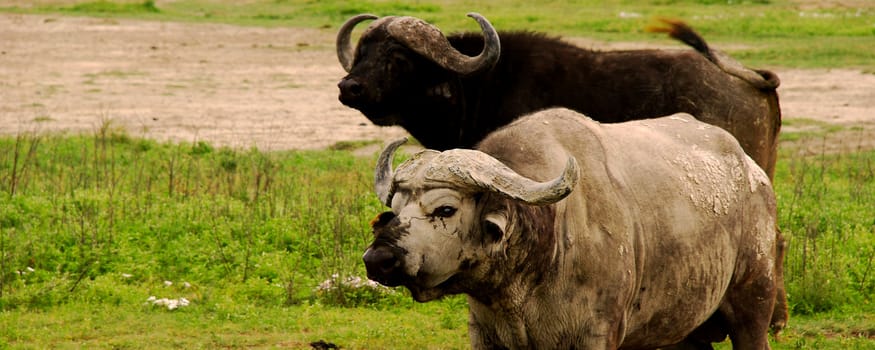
{"x":494,"y":227}
{"x":382,"y":219}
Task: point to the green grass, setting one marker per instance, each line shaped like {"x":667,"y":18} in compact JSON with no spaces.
{"x":826,"y":204}
{"x":225,"y":325}
{"x":776,"y":33}
{"x":803,"y":129}
{"x":70,"y":206}
{"x":91,"y":226}
{"x":438,"y":325}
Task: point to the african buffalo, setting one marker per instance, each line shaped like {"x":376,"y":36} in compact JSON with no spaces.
{"x":404,"y":71}
{"x":566,"y":233}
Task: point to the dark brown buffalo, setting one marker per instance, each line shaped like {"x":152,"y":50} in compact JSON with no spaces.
{"x":405,"y":72}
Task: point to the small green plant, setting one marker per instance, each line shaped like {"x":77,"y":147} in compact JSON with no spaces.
{"x":112,"y":7}
{"x":351,"y":145}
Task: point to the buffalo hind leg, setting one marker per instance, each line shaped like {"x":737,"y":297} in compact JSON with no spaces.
{"x":748,"y":312}
{"x":780,"y":315}
{"x":712,"y":331}
{"x":715,"y":329}
{"x":689,"y":344}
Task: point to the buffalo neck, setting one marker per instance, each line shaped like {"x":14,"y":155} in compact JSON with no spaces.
{"x":526,"y":254}
{"x":534,"y":72}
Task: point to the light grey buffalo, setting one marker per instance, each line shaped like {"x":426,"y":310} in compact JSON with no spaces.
{"x":566,"y":233}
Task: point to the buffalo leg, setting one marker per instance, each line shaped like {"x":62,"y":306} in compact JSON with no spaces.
{"x":714,"y":330}
{"x":748,"y":312}
{"x":780,"y":313}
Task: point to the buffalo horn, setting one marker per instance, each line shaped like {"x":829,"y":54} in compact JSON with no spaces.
{"x":344,"y":48}
{"x":383,"y":172}
{"x":428,"y":41}
{"x":481,"y":171}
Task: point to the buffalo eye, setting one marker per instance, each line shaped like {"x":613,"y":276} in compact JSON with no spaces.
{"x":399,"y":64}
{"x":444,"y":211}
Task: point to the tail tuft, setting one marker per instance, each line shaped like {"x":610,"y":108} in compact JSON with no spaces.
{"x":761,"y":79}
{"x":681,"y":31}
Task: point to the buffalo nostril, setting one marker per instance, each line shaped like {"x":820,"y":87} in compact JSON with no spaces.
{"x":380,"y":261}
{"x":350,"y":87}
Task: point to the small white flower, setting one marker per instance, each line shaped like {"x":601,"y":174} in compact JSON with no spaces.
{"x":624,"y":14}
{"x":30,"y":269}
{"x":186,"y":284}
{"x":354,"y":281}
{"x":374,"y":284}
{"x":168,"y":283}
{"x":325,"y":285}
{"x":127,"y":275}
{"x":171,"y":304}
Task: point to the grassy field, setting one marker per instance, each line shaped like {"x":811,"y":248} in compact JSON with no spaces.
{"x":765,"y":33}
{"x":92,"y":226}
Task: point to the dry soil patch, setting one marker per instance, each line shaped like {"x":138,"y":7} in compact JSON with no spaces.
{"x":271,"y":88}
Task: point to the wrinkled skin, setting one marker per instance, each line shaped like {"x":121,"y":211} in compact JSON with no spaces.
{"x":653,"y":240}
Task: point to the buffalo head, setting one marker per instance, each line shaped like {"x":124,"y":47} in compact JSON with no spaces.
{"x":399,"y":56}
{"x":444,"y":222}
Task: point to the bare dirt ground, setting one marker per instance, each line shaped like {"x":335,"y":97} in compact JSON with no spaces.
{"x":257,"y":87}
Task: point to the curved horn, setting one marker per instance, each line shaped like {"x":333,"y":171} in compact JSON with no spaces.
{"x":383,"y":172}
{"x":345,"y":51}
{"x":428,"y":41}
{"x":482,"y":171}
